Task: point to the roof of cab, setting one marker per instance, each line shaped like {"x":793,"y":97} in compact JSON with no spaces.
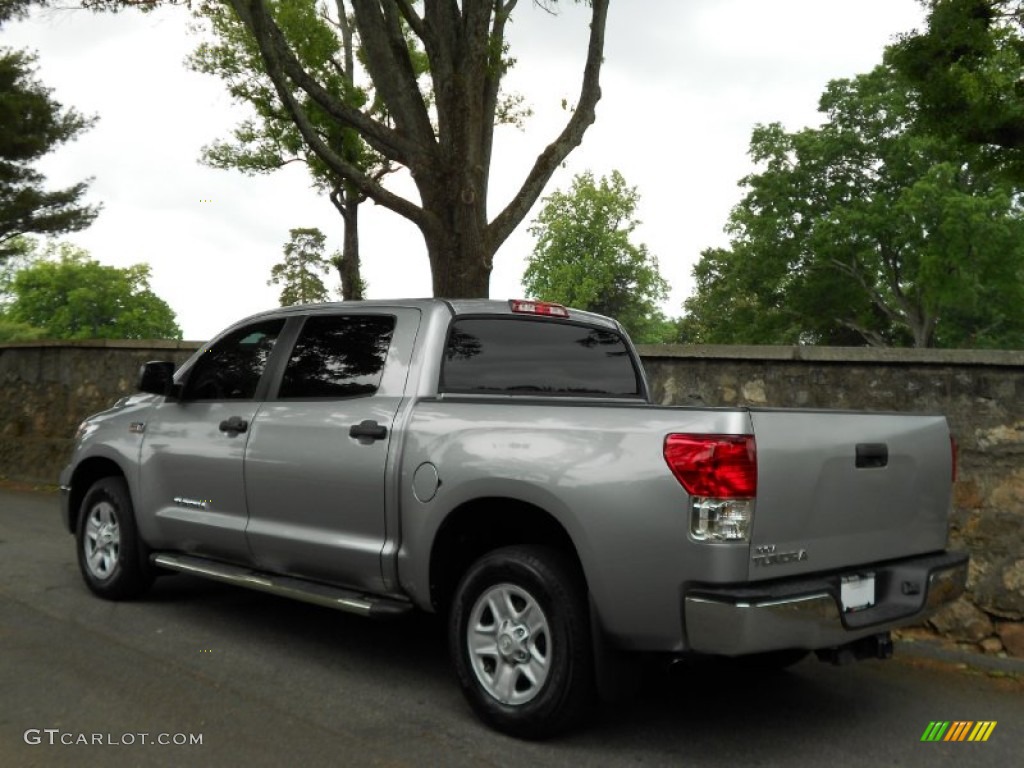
{"x":455,"y":306}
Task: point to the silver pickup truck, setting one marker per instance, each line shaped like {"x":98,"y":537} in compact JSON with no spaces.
{"x":501,"y":463}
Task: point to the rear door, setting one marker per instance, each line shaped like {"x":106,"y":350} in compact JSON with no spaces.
{"x":316,"y":460}
{"x":841,"y":489}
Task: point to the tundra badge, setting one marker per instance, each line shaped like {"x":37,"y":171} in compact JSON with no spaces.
{"x":765,"y":555}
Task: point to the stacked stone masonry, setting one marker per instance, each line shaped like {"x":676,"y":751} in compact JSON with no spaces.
{"x":46,"y":388}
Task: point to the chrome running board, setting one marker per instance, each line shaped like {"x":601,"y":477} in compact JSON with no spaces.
{"x":285,"y":586}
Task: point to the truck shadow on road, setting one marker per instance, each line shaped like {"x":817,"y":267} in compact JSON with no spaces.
{"x":700,"y":707}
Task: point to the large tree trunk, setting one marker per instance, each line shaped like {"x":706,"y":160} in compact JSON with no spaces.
{"x":351,"y":279}
{"x":347,"y":201}
{"x":459,"y":248}
{"x":460,"y":266}
{"x":450,"y":160}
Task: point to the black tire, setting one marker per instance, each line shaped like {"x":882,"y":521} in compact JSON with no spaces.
{"x":111,"y":556}
{"x":537,"y":678}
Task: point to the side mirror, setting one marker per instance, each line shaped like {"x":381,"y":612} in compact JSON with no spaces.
{"x":156,"y":377}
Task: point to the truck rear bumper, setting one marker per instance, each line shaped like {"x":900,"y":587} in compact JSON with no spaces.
{"x":808,"y":613}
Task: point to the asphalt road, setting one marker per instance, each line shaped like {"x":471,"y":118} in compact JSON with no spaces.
{"x":264,"y":681}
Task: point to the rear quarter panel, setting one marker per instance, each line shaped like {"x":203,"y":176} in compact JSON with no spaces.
{"x":600,"y":471}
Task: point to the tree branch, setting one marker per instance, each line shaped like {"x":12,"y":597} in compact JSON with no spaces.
{"x":347,"y":47}
{"x":309,"y":133}
{"x":492,"y":85}
{"x":876,"y":298}
{"x":337,"y":199}
{"x":272,"y":45}
{"x":412,"y":18}
{"x":570,"y":138}
{"x":389,"y":65}
{"x":873,"y":338}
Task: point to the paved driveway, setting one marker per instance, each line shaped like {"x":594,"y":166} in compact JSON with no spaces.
{"x":263,"y":681}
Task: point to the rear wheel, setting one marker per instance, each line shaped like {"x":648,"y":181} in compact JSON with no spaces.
{"x":111,"y":556}
{"x":519,"y":634}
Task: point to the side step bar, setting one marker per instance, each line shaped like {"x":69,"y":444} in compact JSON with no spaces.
{"x":285,"y":586}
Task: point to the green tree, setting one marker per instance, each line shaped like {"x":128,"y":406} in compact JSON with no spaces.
{"x":865,"y":231}
{"x":22,"y":252}
{"x":33,"y":124}
{"x":584,"y":256}
{"x":297,"y":274}
{"x":70,"y":296}
{"x":16,"y":9}
{"x":967,"y":67}
{"x":324,"y":41}
{"x":440,"y":128}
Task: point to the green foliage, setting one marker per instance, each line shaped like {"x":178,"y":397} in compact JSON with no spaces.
{"x":11,"y":330}
{"x":584,"y":257}
{"x":32,"y":125}
{"x":867,"y":230}
{"x":22,"y":252}
{"x":272,"y":140}
{"x":967,"y":66}
{"x":325,"y":45}
{"x":297,"y":274}
{"x":70,"y":296}
{"x":16,"y":9}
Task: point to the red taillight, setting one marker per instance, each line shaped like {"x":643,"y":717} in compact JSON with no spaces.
{"x":955,"y":452}
{"x":546,"y":308}
{"x":714,"y":466}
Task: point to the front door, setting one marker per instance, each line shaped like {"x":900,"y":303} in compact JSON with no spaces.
{"x":193,"y":448}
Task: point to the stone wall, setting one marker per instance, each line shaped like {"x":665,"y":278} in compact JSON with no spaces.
{"x":47,"y":388}
{"x":980,"y":392}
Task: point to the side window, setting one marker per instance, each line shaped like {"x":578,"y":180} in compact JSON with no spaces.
{"x":338,"y":356}
{"x":231,"y":368}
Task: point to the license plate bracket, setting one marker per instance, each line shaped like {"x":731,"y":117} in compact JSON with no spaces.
{"x":857,"y":591}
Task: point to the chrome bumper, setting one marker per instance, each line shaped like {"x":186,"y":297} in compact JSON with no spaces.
{"x":807,"y":613}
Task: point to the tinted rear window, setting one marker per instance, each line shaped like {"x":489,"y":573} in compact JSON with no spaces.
{"x":338,"y":356}
{"x":514,"y":356}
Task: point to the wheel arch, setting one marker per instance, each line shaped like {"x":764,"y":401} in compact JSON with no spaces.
{"x":85,"y":474}
{"x":483,"y":524}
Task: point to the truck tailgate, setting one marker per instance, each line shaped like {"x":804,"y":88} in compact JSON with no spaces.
{"x":836,"y":490}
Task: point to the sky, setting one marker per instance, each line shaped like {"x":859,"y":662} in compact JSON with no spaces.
{"x":683,"y":84}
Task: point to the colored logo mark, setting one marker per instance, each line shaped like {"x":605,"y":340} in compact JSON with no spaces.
{"x":959,"y":730}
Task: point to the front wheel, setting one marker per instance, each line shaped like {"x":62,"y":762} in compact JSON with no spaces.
{"x":111,"y":556}
{"x":519,"y":635}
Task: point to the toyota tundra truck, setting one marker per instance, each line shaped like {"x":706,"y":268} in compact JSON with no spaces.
{"x":501,"y":463}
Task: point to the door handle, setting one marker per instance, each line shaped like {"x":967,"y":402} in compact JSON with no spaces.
{"x":235,"y":424}
{"x":368,"y":428}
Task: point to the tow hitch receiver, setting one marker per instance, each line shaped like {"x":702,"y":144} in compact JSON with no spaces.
{"x":874,"y":647}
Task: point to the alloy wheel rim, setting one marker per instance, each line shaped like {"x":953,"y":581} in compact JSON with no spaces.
{"x":102,"y":542}
{"x":509,"y":641}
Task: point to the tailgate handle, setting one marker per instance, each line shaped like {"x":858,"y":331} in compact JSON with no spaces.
{"x":872,"y":455}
